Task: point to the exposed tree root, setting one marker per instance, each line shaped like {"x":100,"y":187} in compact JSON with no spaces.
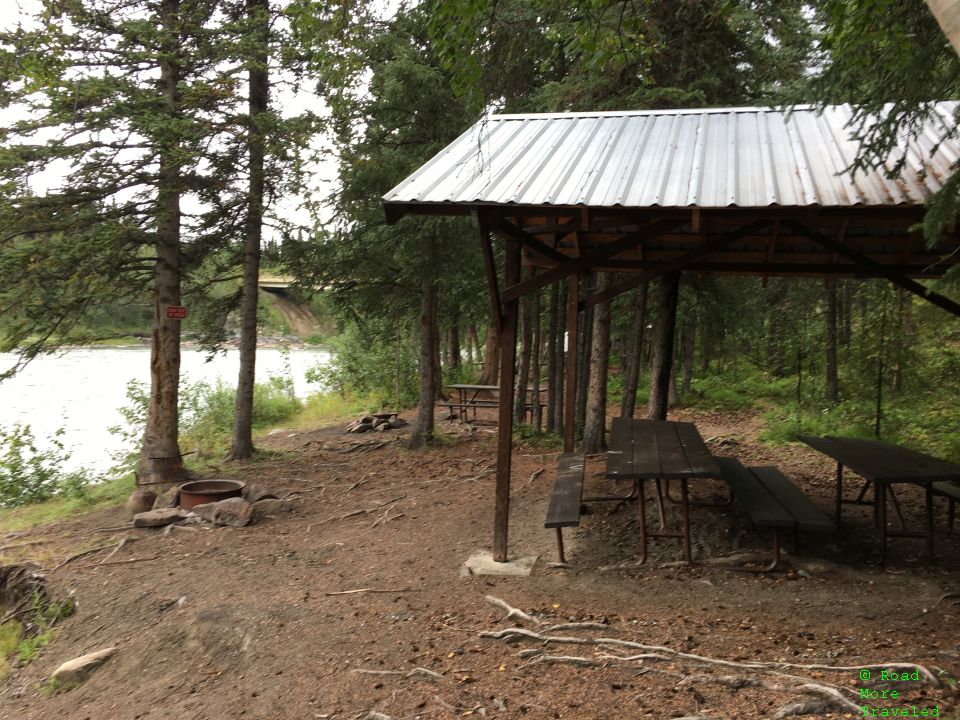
{"x":776,"y":677}
{"x":79,"y":555}
{"x":416,"y":672}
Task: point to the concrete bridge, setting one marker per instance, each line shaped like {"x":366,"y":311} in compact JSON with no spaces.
{"x":299,"y":317}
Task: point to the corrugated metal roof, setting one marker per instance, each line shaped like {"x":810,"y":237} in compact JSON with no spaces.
{"x":713,"y":158}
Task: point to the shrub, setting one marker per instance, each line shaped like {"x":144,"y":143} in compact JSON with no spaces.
{"x":29,"y":474}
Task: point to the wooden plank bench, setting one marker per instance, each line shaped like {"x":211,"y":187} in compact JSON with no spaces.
{"x":951,"y":491}
{"x":566,"y":497}
{"x":771,"y":500}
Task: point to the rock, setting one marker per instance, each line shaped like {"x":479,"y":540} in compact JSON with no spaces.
{"x":253,"y":492}
{"x":76,"y":671}
{"x":448,"y":415}
{"x":140,"y":500}
{"x":232,"y":512}
{"x":159,"y":517}
{"x":396,"y":422}
{"x":168,"y":499}
{"x":263,"y":509}
{"x":382,"y":428}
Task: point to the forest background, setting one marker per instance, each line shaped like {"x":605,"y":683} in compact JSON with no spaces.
{"x":407,"y":303}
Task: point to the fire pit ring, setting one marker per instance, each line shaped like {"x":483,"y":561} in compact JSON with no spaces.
{"x":198,"y":492}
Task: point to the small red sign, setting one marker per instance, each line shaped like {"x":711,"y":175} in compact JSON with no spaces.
{"x":176,"y":312}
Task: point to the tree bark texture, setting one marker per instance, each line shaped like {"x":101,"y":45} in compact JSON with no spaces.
{"x":258,"y":13}
{"x":526,"y":351}
{"x":423,"y":432}
{"x":453,"y":343}
{"x":689,"y":347}
{"x":583,"y":357}
{"x":596,"y":413}
{"x":833,"y":383}
{"x":663,"y":347}
{"x":634,"y":352}
{"x":947,"y":13}
{"x":160,"y":460}
{"x":489,"y":374}
{"x":471,"y":339}
{"x":554,"y":350}
{"x":537,"y":419}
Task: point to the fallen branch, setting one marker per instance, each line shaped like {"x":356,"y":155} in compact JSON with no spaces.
{"x":120,"y":544}
{"x":942,"y":597}
{"x":355,"y":513}
{"x":79,"y":555}
{"x":512,"y":612}
{"x":120,"y":562}
{"x":23,"y":544}
{"x":416,"y":672}
{"x":368,"y":590}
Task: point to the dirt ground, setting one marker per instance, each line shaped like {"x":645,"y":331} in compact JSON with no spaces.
{"x":257,"y":622}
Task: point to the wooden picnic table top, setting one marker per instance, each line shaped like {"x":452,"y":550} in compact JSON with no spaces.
{"x":883,"y":462}
{"x":467,"y":386}
{"x":650,"y":449}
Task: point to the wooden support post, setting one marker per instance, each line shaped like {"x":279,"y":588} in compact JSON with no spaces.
{"x":508,"y":361}
{"x":570,"y":367}
{"x":663,"y":351}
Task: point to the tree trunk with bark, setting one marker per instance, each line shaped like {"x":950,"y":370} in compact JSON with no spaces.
{"x":258,"y":13}
{"x":833,"y":382}
{"x":596,"y":412}
{"x":947,"y":13}
{"x":471,"y":339}
{"x":583,"y":357}
{"x":634,"y":352}
{"x":160,"y":460}
{"x":453,"y":345}
{"x":689,"y":347}
{"x":660,"y":380}
{"x":491,"y":357}
{"x":423,"y":432}
{"x":537,"y":419}
{"x":526,"y":351}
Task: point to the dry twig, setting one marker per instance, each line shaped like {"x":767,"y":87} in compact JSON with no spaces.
{"x":368,"y":590}
{"x":512,"y":612}
{"x":79,"y":555}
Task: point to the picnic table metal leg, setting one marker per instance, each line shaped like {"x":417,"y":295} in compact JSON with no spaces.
{"x":686,"y":520}
{"x":563,"y":558}
{"x":642,"y":519}
{"x":882,"y":509}
{"x":660,"y":508}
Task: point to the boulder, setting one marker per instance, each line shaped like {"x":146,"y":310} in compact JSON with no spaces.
{"x":232,"y":512}
{"x":76,"y":671}
{"x":254,"y":492}
{"x":168,"y":499}
{"x":159,"y":517}
{"x":140,"y":500}
{"x":263,"y":509}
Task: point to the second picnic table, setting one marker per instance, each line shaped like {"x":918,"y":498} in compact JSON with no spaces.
{"x":659,"y":450}
{"x":884,"y":465}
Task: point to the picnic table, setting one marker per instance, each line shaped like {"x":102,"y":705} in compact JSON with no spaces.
{"x":885,"y":465}
{"x":471,"y":397}
{"x":659,"y":450}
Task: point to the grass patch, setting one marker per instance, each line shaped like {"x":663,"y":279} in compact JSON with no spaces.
{"x":329,"y":407}
{"x":9,"y":638}
{"x":105,"y":494}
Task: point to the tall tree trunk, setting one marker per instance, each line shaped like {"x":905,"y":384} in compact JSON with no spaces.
{"x":423,"y":432}
{"x":537,"y":357}
{"x":490,"y":374}
{"x":833,"y":384}
{"x":583,"y":357}
{"x":258,"y":14}
{"x":453,"y":344}
{"x":554,"y":350}
{"x":526,"y":339}
{"x":471,"y":339}
{"x":160,"y":459}
{"x":596,"y":415}
{"x":663,"y":346}
{"x":689,"y":347}
{"x":846,"y":313}
{"x":947,"y":13}
{"x":631,"y":375}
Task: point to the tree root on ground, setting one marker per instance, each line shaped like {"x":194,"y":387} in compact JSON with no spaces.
{"x":768,"y":675}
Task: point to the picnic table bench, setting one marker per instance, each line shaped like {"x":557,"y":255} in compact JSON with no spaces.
{"x":566,"y":498}
{"x":773,"y":501}
{"x":471,"y":397}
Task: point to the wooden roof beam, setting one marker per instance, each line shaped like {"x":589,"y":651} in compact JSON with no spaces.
{"x":876,"y":269}
{"x":678,"y":264}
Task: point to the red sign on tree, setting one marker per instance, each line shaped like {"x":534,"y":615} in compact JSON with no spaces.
{"x":176,"y":312}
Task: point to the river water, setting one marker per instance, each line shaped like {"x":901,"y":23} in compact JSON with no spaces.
{"x":81,"y":390}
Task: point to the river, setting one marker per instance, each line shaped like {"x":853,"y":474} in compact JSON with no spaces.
{"x":81,"y":390}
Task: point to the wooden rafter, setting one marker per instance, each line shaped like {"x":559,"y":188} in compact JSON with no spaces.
{"x":872,"y":267}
